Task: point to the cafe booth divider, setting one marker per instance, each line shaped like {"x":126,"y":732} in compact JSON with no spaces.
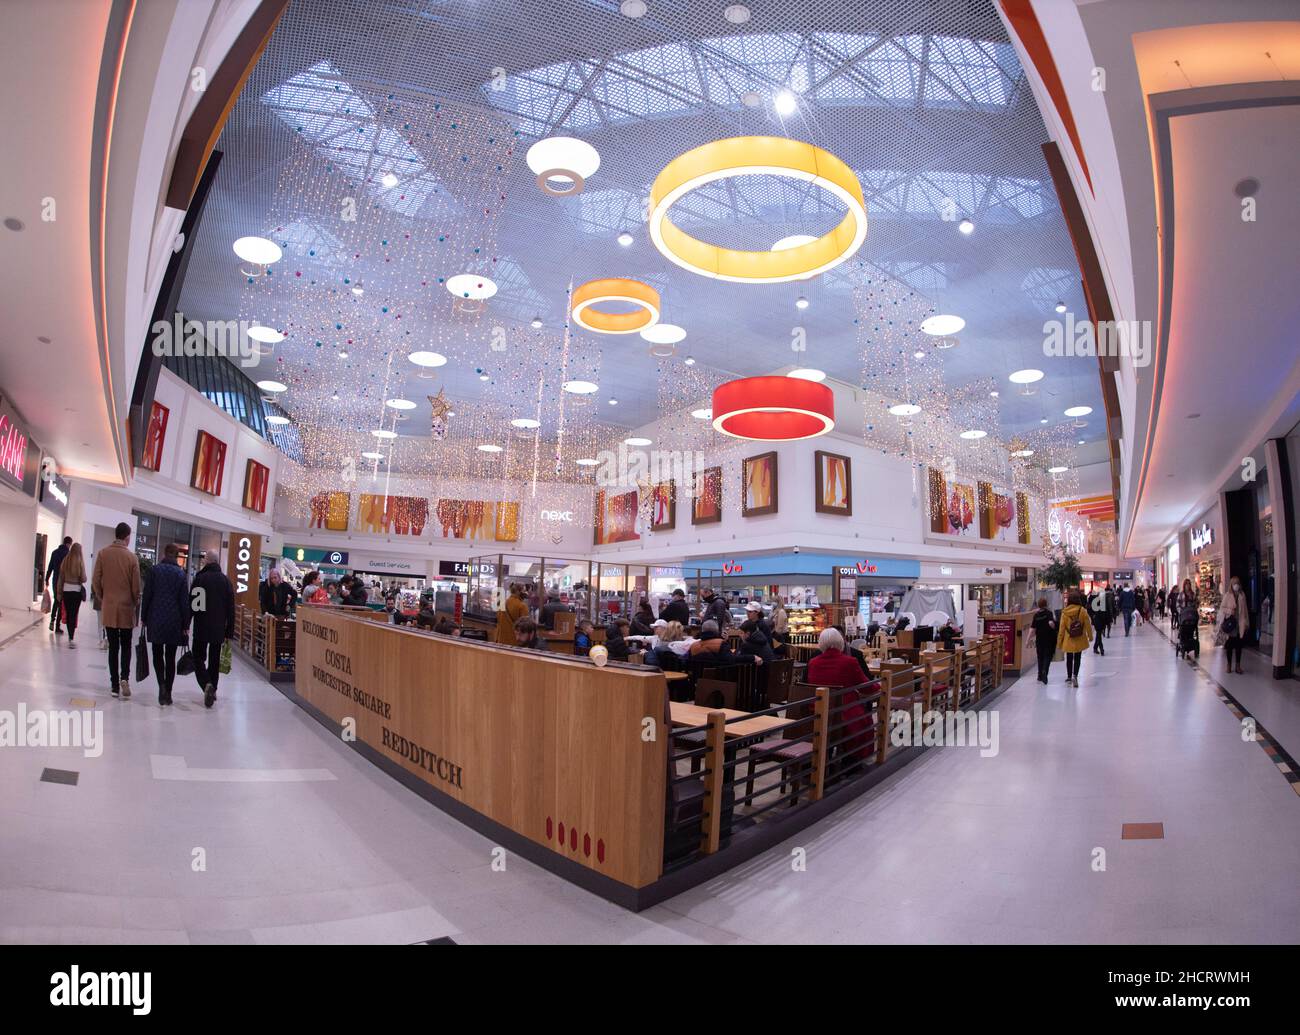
{"x":591,"y":771}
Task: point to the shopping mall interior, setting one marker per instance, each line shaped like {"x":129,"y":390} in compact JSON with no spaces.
{"x":615,"y":472}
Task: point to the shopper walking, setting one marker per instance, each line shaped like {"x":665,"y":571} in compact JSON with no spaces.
{"x":1160,"y":602}
{"x":52,"y":580}
{"x":116,"y":581}
{"x":1044,"y":625}
{"x":71,"y":580}
{"x":1127,"y":602}
{"x":212,"y":602}
{"x":1073,"y":635}
{"x":1234,"y":622}
{"x":1097,"y":608}
{"x":165,"y":614}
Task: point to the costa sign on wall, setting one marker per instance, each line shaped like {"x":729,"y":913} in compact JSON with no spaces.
{"x":14,"y":442}
{"x":243,"y":566}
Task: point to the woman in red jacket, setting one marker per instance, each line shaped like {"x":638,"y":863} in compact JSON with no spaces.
{"x":834,"y":667}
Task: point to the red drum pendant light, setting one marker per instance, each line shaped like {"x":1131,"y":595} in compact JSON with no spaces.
{"x":773,"y":409}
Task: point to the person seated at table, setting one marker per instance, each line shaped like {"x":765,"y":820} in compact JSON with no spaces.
{"x":833,"y":667}
{"x":446,"y":627}
{"x":550,"y":609}
{"x":710,"y":641}
{"x":948,"y":633}
{"x":902,"y":624}
{"x":526,"y":635}
{"x":584,"y":638}
{"x":616,"y":640}
{"x":754,"y":642}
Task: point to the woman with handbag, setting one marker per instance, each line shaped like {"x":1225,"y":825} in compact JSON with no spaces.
{"x":1073,"y":635}
{"x":71,"y":588}
{"x":165,"y":614}
{"x":1234,"y":621}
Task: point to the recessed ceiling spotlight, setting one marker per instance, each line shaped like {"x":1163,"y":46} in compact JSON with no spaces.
{"x":427,"y":359}
{"x":1080,"y":441}
{"x":580,"y":387}
{"x":966,"y":226}
{"x":1078,"y":411}
{"x":358,"y":290}
{"x":785,"y":103}
{"x":384,"y":433}
{"x":918,"y":354}
{"x":489,"y":447}
{"x":632,"y":8}
{"x":389,"y":179}
{"x":587,"y":461}
{"x":973,"y":434}
{"x":636,"y":440}
{"x":276,"y":419}
{"x":13,"y":223}
{"x":704,"y":414}
{"x":689,"y":361}
{"x":343,"y":353}
{"x":1192,"y":416}
{"x":994,"y":394}
{"x":737,"y":14}
{"x":942,"y":324}
{"x":801,"y":302}
{"x":808,"y":374}
{"x":1060,"y":307}
{"x":526,"y":423}
{"x":1246,"y":188}
{"x":1057,"y":470}
{"x":335,"y":396}
{"x":613,"y":402}
{"x":258,"y":250}
{"x":905,"y":409}
{"x":266,"y":335}
{"x":1042,"y":420}
{"x":272,"y":386}
{"x":536,"y":322}
{"x":369,"y":455}
{"x":625,"y":239}
{"x":793,"y":241}
{"x":1025,"y":377}
{"x":485,"y":377}
{"x":663,"y":333}
{"x":400,"y":404}
{"x":563,"y":165}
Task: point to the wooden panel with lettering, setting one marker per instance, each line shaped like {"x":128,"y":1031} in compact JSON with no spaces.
{"x":550,"y":747}
{"x":244,"y":568}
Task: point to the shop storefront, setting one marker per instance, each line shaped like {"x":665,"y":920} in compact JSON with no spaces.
{"x":153,"y":532}
{"x":1205,"y":563}
{"x":27,"y":532}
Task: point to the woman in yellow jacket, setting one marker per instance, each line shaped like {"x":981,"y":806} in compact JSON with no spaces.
{"x":1073,"y":635}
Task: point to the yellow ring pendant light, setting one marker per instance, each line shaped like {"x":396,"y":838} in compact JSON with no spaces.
{"x":747,"y":156}
{"x":615,"y":289}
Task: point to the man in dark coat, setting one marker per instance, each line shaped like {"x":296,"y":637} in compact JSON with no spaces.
{"x":275,"y":595}
{"x":715,"y":609}
{"x":676,"y":610}
{"x":212,"y":600}
{"x":165,"y":614}
{"x":52,"y":572}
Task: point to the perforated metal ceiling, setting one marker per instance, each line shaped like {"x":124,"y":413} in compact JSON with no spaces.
{"x":925,"y":100}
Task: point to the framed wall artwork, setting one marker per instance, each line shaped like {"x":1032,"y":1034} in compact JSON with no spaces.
{"x":758,"y":475}
{"x":209,"y":464}
{"x":154,"y":436}
{"x":615,"y":518}
{"x":834,"y":486}
{"x":706,"y":505}
{"x":257,"y":480}
{"x":663,"y":506}
{"x":329,"y":510}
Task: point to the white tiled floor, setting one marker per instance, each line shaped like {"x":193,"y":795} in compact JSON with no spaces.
{"x":956,"y":848}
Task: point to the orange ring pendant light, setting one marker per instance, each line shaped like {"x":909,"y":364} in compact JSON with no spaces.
{"x":615,"y":289}
{"x":773,"y":409}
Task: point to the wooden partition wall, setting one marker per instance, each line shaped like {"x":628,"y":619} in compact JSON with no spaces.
{"x":552,"y":748}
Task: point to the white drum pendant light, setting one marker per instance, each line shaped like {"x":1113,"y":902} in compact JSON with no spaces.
{"x":562,"y":165}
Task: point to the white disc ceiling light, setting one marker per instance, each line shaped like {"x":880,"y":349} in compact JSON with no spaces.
{"x":562,"y":165}
{"x":807,"y":374}
{"x":525,"y":423}
{"x":258,"y":250}
{"x":580,"y":387}
{"x":905,"y":409}
{"x":664,"y":334}
{"x":272,"y":386}
{"x":942,"y":324}
{"x":400,"y":404}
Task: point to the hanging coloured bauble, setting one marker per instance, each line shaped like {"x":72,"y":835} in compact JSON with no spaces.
{"x":749,"y":156}
{"x":587,"y":296}
{"x":773,"y":409}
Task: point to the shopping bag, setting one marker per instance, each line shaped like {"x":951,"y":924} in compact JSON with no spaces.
{"x":47,"y":604}
{"x":185,"y":664}
{"x":141,"y":659}
{"x":224,"y":666}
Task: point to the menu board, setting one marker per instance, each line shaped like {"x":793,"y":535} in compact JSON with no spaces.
{"x":1006,"y":628}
